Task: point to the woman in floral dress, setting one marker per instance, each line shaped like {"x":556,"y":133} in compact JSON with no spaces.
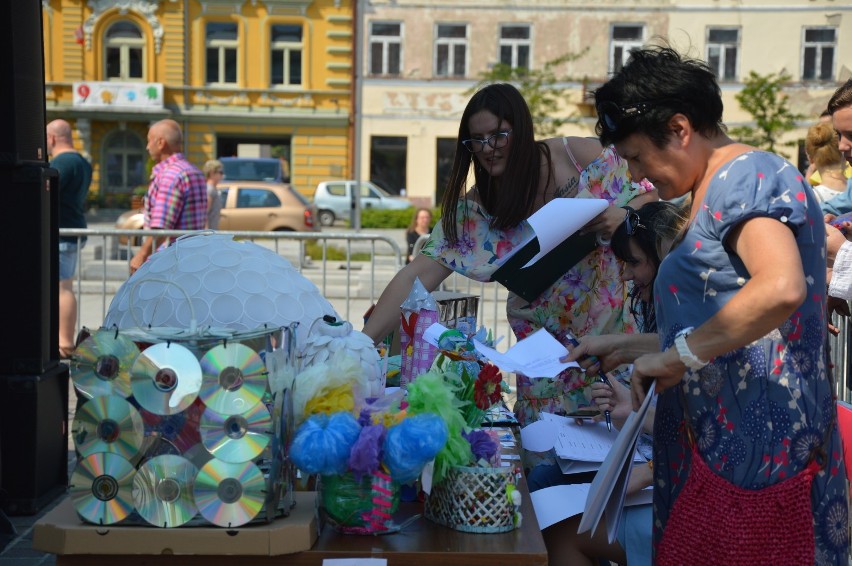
{"x":740,"y":300}
{"x":515,"y":176}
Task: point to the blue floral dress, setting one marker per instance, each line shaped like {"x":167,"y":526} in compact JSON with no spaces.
{"x":757,"y":411}
{"x":588,"y":299}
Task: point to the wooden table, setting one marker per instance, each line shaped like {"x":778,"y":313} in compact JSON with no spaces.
{"x":422,"y":543}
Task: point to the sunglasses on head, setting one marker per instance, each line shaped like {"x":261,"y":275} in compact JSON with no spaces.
{"x":632,"y":223}
{"x":611,"y":114}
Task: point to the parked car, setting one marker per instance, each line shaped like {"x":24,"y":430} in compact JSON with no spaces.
{"x":250,"y":205}
{"x":334,"y":200}
{"x":253,"y":169}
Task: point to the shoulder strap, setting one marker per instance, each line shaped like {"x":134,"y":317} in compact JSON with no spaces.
{"x":571,"y":155}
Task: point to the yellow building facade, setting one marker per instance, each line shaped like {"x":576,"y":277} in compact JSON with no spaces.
{"x":242,"y":77}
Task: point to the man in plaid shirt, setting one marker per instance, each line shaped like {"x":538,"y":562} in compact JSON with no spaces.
{"x":177,"y":194}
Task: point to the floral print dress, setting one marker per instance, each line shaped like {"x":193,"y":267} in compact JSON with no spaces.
{"x":758,"y":411}
{"x":589,"y":299}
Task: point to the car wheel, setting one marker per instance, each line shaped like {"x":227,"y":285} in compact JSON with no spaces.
{"x":326,"y":217}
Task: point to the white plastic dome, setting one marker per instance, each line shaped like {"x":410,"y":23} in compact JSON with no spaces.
{"x":210,"y":280}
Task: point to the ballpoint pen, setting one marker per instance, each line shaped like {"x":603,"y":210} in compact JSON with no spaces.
{"x":601,"y":377}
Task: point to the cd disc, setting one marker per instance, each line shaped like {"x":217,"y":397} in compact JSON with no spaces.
{"x":234,"y":379}
{"x":165,"y":378}
{"x":162,"y":491}
{"x":229,"y":495}
{"x":180,"y":429}
{"x":101,"y":488}
{"x":101,"y":364}
{"x":108,"y":424}
{"x":236,"y":438}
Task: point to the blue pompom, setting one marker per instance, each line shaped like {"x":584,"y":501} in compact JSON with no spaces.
{"x":322,"y":443}
{"x":411,"y":444}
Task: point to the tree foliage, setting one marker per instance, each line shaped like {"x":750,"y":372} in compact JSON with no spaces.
{"x":763,"y":98}
{"x":538,"y":87}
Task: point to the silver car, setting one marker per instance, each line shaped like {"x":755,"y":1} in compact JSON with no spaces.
{"x":334,"y":200}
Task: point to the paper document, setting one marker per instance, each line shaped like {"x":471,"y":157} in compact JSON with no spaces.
{"x":556,"y":220}
{"x":537,"y":355}
{"x":608,"y":489}
{"x":557,"y":503}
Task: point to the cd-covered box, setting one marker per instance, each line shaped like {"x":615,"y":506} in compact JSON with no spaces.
{"x":183,"y":430}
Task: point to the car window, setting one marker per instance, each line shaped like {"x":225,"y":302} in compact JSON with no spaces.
{"x":257,"y":198}
{"x":336,"y":189}
{"x":247,"y":169}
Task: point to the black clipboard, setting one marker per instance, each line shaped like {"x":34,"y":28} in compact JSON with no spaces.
{"x":530,"y":282}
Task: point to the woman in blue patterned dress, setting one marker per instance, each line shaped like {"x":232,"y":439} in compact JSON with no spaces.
{"x":740,"y":303}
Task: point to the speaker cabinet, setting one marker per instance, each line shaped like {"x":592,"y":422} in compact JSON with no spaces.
{"x":29,"y":332}
{"x":33,"y":439}
{"x":22,"y":138}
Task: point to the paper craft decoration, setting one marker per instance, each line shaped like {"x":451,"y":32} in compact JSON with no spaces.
{"x":609,"y":488}
{"x":554,"y":247}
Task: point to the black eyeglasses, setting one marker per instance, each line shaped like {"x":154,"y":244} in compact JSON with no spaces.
{"x":632,"y":223}
{"x":611,"y":114}
{"x":498,"y":140}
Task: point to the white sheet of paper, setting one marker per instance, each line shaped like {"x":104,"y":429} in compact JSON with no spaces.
{"x":613,"y":474}
{"x":589,"y":442}
{"x":560,"y":218}
{"x":537,"y":355}
{"x":539,"y":436}
{"x":355,"y":562}
{"x":557,"y":503}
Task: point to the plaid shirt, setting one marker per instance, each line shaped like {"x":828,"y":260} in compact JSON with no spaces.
{"x":177,"y":196}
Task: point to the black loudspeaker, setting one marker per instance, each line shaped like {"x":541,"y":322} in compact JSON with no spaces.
{"x":29,"y":332}
{"x":34,"y":432}
{"x":22,"y":137}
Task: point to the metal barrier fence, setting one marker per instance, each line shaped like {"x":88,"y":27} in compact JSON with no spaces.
{"x":377,"y":256}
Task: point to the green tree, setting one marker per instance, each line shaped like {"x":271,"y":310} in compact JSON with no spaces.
{"x":539,"y":88}
{"x":763,"y":98}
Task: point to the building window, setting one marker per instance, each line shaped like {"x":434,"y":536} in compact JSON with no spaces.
{"x":722,"y":49}
{"x":625,"y":38}
{"x":515,"y":42}
{"x":445,"y":152}
{"x":124,"y":159}
{"x":286,"y":56}
{"x":818,"y":54}
{"x":221,"y":53}
{"x":451,"y":50}
{"x":385,"y":48}
{"x":124,"y":52}
{"x":387,"y":162}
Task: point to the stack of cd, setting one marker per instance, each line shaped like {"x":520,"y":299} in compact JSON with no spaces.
{"x":180,"y":432}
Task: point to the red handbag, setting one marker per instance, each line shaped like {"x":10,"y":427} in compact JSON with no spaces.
{"x":714,"y":522}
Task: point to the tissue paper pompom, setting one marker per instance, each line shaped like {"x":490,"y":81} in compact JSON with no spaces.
{"x":317,"y":380}
{"x":336,"y":400}
{"x":366,"y":454}
{"x":322,"y":444}
{"x":429,"y":393}
{"x":411,"y":444}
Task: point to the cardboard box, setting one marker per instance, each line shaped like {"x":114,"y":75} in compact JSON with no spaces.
{"x":62,"y":532}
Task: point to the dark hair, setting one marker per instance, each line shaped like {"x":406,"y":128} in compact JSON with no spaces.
{"x":520,"y":181}
{"x":655,"y":222}
{"x":413,"y":224}
{"x":841,"y":98}
{"x":668,"y":84}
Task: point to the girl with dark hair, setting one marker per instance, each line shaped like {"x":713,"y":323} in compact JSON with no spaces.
{"x":639,"y":242}
{"x":515,"y":175}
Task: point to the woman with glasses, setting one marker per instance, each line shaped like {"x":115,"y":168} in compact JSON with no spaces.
{"x":515,"y":175}
{"x":214,"y":171}
{"x":746,"y":404}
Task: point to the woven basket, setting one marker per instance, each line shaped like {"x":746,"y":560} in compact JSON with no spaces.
{"x":473,"y":500}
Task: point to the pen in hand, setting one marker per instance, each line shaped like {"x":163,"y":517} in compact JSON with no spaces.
{"x":601,"y":377}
